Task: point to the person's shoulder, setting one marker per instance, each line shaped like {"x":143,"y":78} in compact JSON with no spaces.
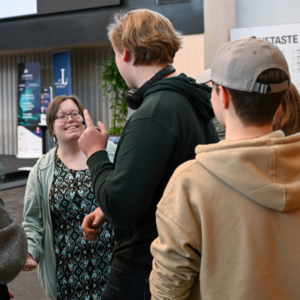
{"x":167,"y":95}
{"x":189,"y":175}
{"x":189,"y":187}
{"x":158,"y":105}
{"x":190,"y":171}
{"x":44,"y":160}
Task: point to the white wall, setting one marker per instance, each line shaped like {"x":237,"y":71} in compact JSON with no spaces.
{"x":250,"y":13}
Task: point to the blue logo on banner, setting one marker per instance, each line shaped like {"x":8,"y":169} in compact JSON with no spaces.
{"x":62,"y":73}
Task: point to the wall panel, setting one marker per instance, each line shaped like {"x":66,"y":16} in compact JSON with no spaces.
{"x":219,"y":18}
{"x":190,"y":59}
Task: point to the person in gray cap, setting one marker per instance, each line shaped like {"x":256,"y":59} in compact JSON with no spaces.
{"x":228,"y":222}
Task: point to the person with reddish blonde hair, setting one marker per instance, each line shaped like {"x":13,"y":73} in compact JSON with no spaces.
{"x":173,"y":115}
{"x":155,"y":40}
{"x":287,"y":117}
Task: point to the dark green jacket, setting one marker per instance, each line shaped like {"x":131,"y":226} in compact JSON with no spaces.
{"x":162,"y":134}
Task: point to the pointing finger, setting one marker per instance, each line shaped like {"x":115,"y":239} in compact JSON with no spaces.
{"x":88,"y":119}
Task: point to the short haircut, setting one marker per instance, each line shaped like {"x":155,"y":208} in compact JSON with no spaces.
{"x":54,"y":107}
{"x":289,"y":122}
{"x":255,"y":109}
{"x":147,"y":34}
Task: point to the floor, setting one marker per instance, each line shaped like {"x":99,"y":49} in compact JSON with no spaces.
{"x":26,"y":286}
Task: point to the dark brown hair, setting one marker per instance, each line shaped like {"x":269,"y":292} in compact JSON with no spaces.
{"x":147,"y":34}
{"x":54,"y":107}
{"x":255,"y":109}
{"x":287,"y":118}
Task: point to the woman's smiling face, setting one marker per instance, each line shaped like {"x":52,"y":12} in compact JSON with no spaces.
{"x":70,"y":128}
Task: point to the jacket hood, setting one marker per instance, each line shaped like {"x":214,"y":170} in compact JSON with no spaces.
{"x":47,"y":159}
{"x":265,"y":169}
{"x":197,"y":95}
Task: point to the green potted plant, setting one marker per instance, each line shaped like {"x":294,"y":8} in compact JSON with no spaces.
{"x":112,"y":81}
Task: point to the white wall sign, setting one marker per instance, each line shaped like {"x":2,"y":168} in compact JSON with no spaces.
{"x":286,"y":37}
{"x":16,"y":8}
{"x":29,"y":142}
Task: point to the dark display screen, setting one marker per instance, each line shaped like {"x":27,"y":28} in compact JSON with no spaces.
{"x":55,"y":6}
{"x":46,"y":98}
{"x":19,"y":8}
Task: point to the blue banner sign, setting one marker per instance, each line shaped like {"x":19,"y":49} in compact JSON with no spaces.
{"x":61,"y":73}
{"x":29,"y":85}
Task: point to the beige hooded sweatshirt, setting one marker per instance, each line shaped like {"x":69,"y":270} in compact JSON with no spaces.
{"x":229,"y":223}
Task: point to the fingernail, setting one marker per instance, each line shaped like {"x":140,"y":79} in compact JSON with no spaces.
{"x":95,"y":223}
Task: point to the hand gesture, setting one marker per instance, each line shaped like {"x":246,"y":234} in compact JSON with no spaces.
{"x":91,"y":223}
{"x":30,"y":263}
{"x":93,"y":139}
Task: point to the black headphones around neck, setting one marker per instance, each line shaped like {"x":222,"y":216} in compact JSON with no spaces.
{"x":135,"y":99}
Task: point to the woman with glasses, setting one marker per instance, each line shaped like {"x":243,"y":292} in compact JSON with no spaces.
{"x":59,"y":194}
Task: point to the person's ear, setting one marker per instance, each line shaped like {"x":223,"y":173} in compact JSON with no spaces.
{"x":224,"y":96}
{"x":127,"y":55}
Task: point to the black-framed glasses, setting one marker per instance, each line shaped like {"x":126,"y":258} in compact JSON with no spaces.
{"x":75,"y":115}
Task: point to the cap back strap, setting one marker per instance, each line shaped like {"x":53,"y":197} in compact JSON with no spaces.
{"x":270,"y":88}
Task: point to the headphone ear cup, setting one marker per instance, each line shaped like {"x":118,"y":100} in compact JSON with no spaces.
{"x":134,"y":98}
{"x":132,"y":102}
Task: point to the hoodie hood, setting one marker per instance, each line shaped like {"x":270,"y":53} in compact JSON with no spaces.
{"x":197,"y":95}
{"x":265,"y":169}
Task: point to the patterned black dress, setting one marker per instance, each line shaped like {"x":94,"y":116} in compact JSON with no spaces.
{"x":82,"y":267}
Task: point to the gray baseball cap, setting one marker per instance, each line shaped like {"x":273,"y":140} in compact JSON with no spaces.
{"x":237,"y":65}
